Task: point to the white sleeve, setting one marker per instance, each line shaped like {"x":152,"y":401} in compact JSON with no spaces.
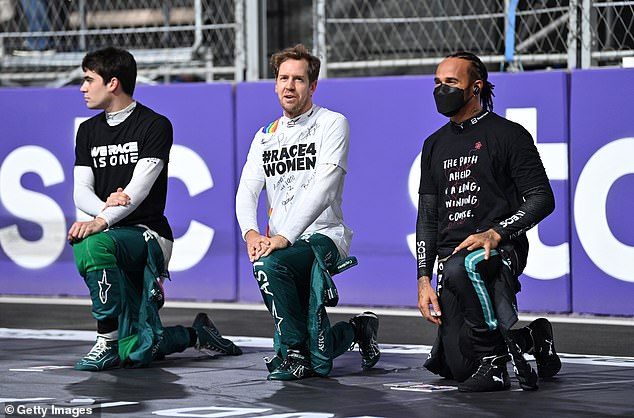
{"x":144,"y":175}
{"x":334,"y":149}
{"x":84,"y":191}
{"x":322,"y":193}
{"x":252,"y":181}
{"x":247,"y":204}
{"x":253,"y":167}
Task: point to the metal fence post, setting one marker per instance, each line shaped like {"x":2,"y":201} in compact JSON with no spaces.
{"x":573,"y":34}
{"x":198,"y":23}
{"x":240,"y":43}
{"x":83,"y":25}
{"x":253,"y":34}
{"x":586,"y":34}
{"x":510,"y":7}
{"x":319,"y":35}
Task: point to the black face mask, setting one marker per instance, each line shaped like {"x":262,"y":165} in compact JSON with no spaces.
{"x":449,"y":100}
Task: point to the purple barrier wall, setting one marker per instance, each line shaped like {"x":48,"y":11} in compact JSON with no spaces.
{"x":521,"y":97}
{"x":389,"y":120}
{"x":602,"y":150}
{"x":37,"y":156}
{"x":202,"y":187}
{"x":256,"y":105}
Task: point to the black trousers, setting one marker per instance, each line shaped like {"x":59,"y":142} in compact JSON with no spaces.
{"x":478,"y":305}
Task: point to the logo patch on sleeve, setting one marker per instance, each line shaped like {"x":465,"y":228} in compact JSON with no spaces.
{"x":271,"y":127}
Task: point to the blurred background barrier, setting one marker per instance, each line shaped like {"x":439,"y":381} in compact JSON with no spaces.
{"x":388,"y":37}
{"x":42,"y":42}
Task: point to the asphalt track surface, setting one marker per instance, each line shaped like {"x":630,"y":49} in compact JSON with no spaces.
{"x":40,"y":339}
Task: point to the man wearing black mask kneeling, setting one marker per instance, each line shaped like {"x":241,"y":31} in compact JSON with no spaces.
{"x":482,"y":186}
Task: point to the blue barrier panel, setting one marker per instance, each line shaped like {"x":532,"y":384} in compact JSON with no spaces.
{"x":36,"y":174}
{"x":539,"y":102}
{"x":601,"y":155}
{"x":256,"y":106}
{"x":37,"y":156}
{"x":389,"y":119}
{"x":200,"y":202}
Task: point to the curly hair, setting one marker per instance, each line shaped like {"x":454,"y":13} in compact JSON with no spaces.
{"x":297,"y":52}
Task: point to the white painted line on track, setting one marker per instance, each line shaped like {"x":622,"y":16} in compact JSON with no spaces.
{"x":5,"y":400}
{"x":40,"y":368}
{"x":239,"y":306}
{"x":608,"y":382}
{"x":113,"y":404}
{"x":267,"y":343}
{"x":254,"y":342}
{"x":48,"y":334}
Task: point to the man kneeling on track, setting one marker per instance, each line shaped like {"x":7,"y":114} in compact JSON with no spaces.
{"x":121,"y":158}
{"x":302,"y":159}
{"x":482,"y":186}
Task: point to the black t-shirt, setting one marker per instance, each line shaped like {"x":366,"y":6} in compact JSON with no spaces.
{"x":112,"y":153}
{"x":479,"y":171}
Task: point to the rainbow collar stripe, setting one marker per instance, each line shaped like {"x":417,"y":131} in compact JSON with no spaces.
{"x":271,"y":127}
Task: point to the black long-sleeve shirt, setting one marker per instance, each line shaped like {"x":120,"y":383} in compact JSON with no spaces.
{"x":485,"y":173}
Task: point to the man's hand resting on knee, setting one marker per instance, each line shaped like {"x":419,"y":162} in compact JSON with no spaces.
{"x":81,"y":230}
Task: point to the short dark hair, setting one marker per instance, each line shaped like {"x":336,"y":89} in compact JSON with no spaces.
{"x":113,"y":62}
{"x":478,"y":71}
{"x":297,"y":52}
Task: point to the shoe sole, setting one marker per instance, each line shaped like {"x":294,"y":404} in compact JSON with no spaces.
{"x":222,"y":347}
{"x":287,"y":375}
{"x":286,"y":378}
{"x":94,"y":368}
{"x":505,"y":387}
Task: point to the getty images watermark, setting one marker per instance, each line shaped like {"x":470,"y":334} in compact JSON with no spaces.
{"x":15,"y":409}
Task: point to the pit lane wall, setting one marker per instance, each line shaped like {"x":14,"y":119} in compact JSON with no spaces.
{"x":581,"y":256}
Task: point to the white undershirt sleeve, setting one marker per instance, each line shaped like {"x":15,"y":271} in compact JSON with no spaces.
{"x":145,"y":174}
{"x":247,"y":204}
{"x":322,"y":194}
{"x":84,"y":191}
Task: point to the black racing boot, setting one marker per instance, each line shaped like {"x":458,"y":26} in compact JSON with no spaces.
{"x":548,"y":362}
{"x":491,"y":376}
{"x":366,"y":328}
{"x":209,"y":338}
